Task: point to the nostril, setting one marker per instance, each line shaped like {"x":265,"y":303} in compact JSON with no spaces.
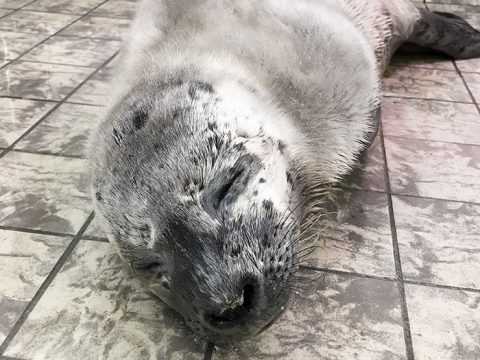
{"x":234,"y":315}
{"x":248,"y":297}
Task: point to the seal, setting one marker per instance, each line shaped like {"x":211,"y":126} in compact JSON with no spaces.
{"x":227,"y":122}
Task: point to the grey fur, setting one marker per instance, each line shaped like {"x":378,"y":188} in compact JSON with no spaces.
{"x":227,"y":121}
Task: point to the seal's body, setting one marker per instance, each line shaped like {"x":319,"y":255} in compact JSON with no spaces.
{"x":227,"y":119}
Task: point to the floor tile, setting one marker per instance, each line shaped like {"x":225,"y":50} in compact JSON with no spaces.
{"x":368,"y":174}
{"x":26,"y":260}
{"x":473,"y":82}
{"x":35,"y":22}
{"x":98,"y":27}
{"x":13,"y":4}
{"x":94,"y":229}
{"x":14,"y":44}
{"x":95,"y":90}
{"x":64,"y":6}
{"x":16,"y":116}
{"x":43,"y":192}
{"x":425,"y":84}
{"x":340,"y":318}
{"x":64,"y":132}
{"x":434,"y":169}
{"x":431,"y":120}
{"x":439,"y":241}
{"x":73,"y":51}
{"x":445,"y":323}
{"x":41,"y":81}
{"x":105,"y":312}
{"x":355,"y":236}
{"x":471,"y":65}
{"x":423,"y":60}
{"x":116,"y":9}
{"x":4,"y":12}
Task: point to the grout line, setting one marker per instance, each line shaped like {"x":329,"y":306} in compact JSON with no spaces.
{"x":72,"y":14}
{"x":26,"y":98}
{"x":440,"y":286}
{"x":386,"y":278}
{"x":428,"y":140}
{"x":55,"y":33}
{"x":56,"y":106}
{"x":48,"y":100}
{"x":346,"y":273}
{"x":386,"y":192}
{"x":48,"y":153}
{"x":34,"y":231}
{"x":209,"y":351}
{"x":46,"y":283}
{"x":3,"y":357}
{"x":467,"y":87}
{"x":54,"y":63}
{"x":15,"y":10}
{"x":427,"y":99}
{"x":398,"y":262}
{"x":94,"y":238}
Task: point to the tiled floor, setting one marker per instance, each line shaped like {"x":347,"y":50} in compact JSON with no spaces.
{"x":397,"y":275}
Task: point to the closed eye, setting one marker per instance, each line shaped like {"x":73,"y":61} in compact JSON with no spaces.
{"x":225,"y":188}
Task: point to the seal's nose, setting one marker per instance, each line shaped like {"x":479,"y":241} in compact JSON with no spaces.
{"x":237,"y":312}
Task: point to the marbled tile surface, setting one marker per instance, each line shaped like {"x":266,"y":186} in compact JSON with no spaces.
{"x":43,"y":192}
{"x":41,"y":81}
{"x":98,"y":27}
{"x":431,"y":120}
{"x":94,"y":229}
{"x":16,"y":116}
{"x":434,"y":169}
{"x":445,"y":324}
{"x":439,"y":241}
{"x":425,"y":84}
{"x":25,"y":261}
{"x":116,"y":9}
{"x":473,"y":82}
{"x":63,"y":132}
{"x":73,"y":51}
{"x":338,"y":318}
{"x":35,"y":22}
{"x":370,"y":169}
{"x":13,"y":4}
{"x":355,"y":236}
{"x":471,"y":65}
{"x":95,"y":90}
{"x":15,"y":44}
{"x":64,"y":6}
{"x":106,"y":313}
{"x":4,"y":12}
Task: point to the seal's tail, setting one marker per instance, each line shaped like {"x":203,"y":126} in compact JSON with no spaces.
{"x":447,"y":33}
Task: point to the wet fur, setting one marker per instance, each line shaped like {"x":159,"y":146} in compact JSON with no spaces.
{"x":226,"y":125}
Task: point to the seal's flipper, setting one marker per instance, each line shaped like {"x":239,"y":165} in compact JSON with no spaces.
{"x":447,"y":33}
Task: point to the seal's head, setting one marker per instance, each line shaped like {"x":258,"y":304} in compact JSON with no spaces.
{"x":196,"y":190}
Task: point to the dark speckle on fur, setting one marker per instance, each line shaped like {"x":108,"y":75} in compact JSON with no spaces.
{"x":98,"y":195}
{"x":139,"y":119}
{"x":262,"y":180}
{"x":267,"y":204}
{"x":281,"y":146}
{"x":199,"y":86}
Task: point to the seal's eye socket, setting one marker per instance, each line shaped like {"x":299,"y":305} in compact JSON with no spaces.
{"x":225,"y":188}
